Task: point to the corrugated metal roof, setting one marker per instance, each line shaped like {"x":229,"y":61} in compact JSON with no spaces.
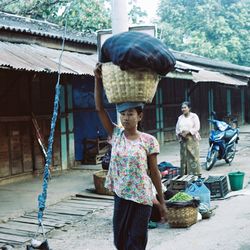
{"x":216,"y":77}
{"x":186,"y":67}
{"x":33,"y":57}
{"x":42,"y":28}
{"x":211,"y":64}
{"x":41,"y":59}
{"x":200,"y":74}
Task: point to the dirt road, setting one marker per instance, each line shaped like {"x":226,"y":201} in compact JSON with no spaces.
{"x":228,"y":229}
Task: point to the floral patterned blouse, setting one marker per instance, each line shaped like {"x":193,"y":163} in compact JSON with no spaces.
{"x":127,"y":175}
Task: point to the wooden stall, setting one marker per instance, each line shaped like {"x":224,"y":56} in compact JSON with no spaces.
{"x":20,"y":152}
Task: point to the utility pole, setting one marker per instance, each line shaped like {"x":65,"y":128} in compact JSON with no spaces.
{"x":119,"y":10}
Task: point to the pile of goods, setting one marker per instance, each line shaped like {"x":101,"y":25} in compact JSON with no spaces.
{"x":182,"y":210}
{"x":131,"y":65}
{"x":168,"y":171}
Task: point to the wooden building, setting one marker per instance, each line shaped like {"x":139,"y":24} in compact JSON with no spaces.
{"x":29,"y":57}
{"x":210,"y":85}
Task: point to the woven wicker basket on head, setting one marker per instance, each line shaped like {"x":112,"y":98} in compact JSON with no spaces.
{"x":130,"y":85}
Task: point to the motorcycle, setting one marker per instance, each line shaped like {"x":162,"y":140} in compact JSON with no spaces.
{"x":222,"y":142}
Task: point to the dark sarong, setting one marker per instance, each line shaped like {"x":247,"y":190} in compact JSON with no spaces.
{"x":130,"y":224}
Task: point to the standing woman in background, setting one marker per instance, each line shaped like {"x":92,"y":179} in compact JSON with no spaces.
{"x":133,"y":154}
{"x":187,"y":130}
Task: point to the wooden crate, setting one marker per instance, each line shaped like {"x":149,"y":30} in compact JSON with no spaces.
{"x":94,"y":150}
{"x":180,"y":183}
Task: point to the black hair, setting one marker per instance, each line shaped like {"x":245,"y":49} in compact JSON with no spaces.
{"x":186,"y":103}
{"x":139,"y":111}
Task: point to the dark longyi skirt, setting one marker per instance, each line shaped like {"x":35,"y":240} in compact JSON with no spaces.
{"x":130,"y":223}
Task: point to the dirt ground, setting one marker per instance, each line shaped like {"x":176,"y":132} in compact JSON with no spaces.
{"x":228,"y":229}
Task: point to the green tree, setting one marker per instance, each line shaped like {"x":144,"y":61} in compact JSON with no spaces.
{"x":84,"y":15}
{"x":212,"y":28}
{"x":136,"y":14}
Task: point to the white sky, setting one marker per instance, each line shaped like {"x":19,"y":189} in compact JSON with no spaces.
{"x":150,"y":6}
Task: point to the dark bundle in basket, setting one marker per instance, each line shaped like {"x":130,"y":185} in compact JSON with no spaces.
{"x":180,"y":204}
{"x":132,"y":63}
{"x":182,"y":213}
{"x":137,"y":50}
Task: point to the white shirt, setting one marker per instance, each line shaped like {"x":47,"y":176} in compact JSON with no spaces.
{"x":189,"y":123}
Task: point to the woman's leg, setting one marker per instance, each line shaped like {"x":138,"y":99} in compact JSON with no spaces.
{"x":119,"y":222}
{"x":130,"y":224}
{"x":193,"y":156}
{"x":183,"y":156}
{"x":138,"y":231}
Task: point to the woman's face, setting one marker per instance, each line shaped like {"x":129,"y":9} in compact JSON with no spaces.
{"x":185,"y":109}
{"x":130,"y":118}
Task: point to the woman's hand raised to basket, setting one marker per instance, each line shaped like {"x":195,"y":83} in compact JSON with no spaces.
{"x":98,"y":71}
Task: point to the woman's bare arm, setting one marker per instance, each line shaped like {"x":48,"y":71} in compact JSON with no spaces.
{"x":156,"y":179}
{"x":103,"y":115}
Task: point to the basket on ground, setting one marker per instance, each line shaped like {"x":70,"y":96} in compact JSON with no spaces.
{"x":99,"y":181}
{"x":182,"y":214}
{"x":130,"y":85}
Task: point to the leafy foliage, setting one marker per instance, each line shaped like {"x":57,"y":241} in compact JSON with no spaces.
{"x":84,"y":15}
{"x":212,"y":28}
{"x":136,"y":14}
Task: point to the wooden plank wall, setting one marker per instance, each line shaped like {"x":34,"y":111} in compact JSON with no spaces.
{"x":247,"y":104}
{"x":175,"y":92}
{"x":236,"y":104}
{"x":220,"y":102}
{"x":174,"y":95}
{"x":21,"y":94}
{"x":199,"y":102}
{"x":4,"y":151}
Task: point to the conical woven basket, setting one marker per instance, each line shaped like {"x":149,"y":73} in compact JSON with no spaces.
{"x":130,"y":85}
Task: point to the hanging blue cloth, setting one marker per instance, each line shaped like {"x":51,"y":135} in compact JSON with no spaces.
{"x":43,"y":196}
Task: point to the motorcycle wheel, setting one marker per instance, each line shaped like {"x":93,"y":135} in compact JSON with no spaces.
{"x":211,"y":161}
{"x":231,"y":154}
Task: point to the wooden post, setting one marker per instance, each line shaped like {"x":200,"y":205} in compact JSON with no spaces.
{"x":64,"y":155}
{"x":242,"y":98}
{"x":71,"y":138}
{"x":161,"y":116}
{"x":210,"y":104}
{"x":229,"y":108}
